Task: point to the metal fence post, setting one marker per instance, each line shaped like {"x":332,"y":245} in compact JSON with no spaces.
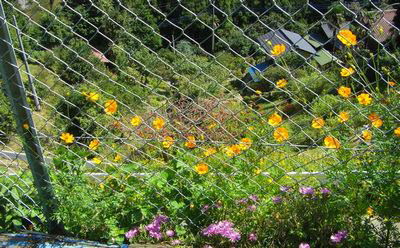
{"x":25,"y":126}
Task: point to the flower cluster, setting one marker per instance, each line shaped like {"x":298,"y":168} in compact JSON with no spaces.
{"x":154,"y":228}
{"x":223,"y":228}
{"x":338,"y":237}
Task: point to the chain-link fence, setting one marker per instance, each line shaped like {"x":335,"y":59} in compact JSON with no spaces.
{"x":202,"y":111}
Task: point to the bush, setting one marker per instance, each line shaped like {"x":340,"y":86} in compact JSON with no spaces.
{"x":6,"y":119}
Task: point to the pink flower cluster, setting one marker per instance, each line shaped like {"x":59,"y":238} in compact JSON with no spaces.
{"x":154,"y":228}
{"x":338,"y":237}
{"x":223,"y":228}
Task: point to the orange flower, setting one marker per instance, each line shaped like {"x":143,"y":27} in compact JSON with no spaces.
{"x":347,"y":37}
{"x":370,"y":211}
{"x":364,"y":99}
{"x":281,"y":83}
{"x":25,"y":126}
{"x":168,"y":142}
{"x":318,"y":122}
{"x":391,"y":83}
{"x":191,"y":143}
{"x":117,"y":157}
{"x":67,"y":138}
{"x":344,"y":91}
{"x":158,"y":123}
{"x":373,"y":116}
{"x":274,"y":119}
{"x":94,"y":144}
{"x":346,"y":72}
{"x":210,"y":151}
{"x":245,"y":143}
{"x":281,"y":134}
{"x":377,"y":123}
{"x":110,"y":107}
{"x":233,"y":150}
{"x":397,"y":132}
{"x":331,"y":142}
{"x":367,"y":135}
{"x":201,"y":168}
{"x":278,"y":49}
{"x":343,"y":117}
{"x":136,"y":121}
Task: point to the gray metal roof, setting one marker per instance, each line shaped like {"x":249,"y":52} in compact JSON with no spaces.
{"x":290,"y":39}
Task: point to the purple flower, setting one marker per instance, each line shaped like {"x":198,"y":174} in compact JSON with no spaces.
{"x":252,"y":208}
{"x":170,"y":233}
{"x":254,"y":198}
{"x":176,"y":242}
{"x":325,"y":191}
{"x":252,"y":237}
{"x":304,"y":245}
{"x":338,"y":237}
{"x":306,"y":190}
{"x":205,"y":208}
{"x":160,"y":219}
{"x":154,"y":228}
{"x":276,"y":199}
{"x":223,"y":228}
{"x":285,"y":189}
{"x":242,"y":201}
{"x":132,"y":233}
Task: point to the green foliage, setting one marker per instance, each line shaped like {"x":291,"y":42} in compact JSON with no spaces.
{"x":6,"y":118}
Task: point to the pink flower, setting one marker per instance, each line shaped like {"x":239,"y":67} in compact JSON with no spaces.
{"x":252,"y":237}
{"x":306,"y":190}
{"x":304,"y":245}
{"x":170,"y":233}
{"x":175,"y":242}
{"x":252,"y":208}
{"x":132,"y":233}
{"x":338,"y":237}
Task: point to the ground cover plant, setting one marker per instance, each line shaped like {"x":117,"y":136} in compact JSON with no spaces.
{"x":156,"y":133}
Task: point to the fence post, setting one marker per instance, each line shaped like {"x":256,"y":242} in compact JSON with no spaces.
{"x":25,"y":59}
{"x":25,"y":126}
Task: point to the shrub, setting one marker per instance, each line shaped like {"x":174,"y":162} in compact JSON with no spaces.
{"x":6,"y":119}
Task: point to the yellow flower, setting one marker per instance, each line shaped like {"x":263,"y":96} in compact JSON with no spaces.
{"x":117,"y":157}
{"x":158,"y":123}
{"x":201,"y":168}
{"x":91,"y":96}
{"x":245,"y":143}
{"x":318,"y":122}
{"x":391,"y":83}
{"x":397,"y":132}
{"x":278,"y":49}
{"x":373,"y":116}
{"x":347,"y":37}
{"x":25,"y":126}
{"x":344,"y":91}
{"x":274,"y":119}
{"x":233,"y":150}
{"x":377,"y":123}
{"x":258,"y":92}
{"x":345,"y":72}
{"x":257,"y":171}
{"x":191,"y":143}
{"x":251,"y":128}
{"x":370,"y":211}
{"x":343,"y":117}
{"x":364,"y":99}
{"x":367,"y":135}
{"x":281,"y":83}
{"x":281,"y":134}
{"x":212,"y":125}
{"x":168,"y":142}
{"x":136,"y":121}
{"x":96,"y":160}
{"x":210,"y":151}
{"x":94,"y":144}
{"x":110,"y":107}
{"x":331,"y":142}
{"x":67,"y":138}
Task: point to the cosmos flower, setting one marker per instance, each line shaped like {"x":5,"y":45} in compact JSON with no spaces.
{"x":168,"y":142}
{"x":132,"y":233}
{"x":191,"y":142}
{"x":233,"y":150}
{"x":158,"y":123}
{"x":110,"y":107}
{"x":245,"y":143}
{"x":331,"y":142}
{"x":344,"y":91}
{"x":275,"y":119}
{"x":281,"y":83}
{"x":346,"y":72}
{"x":210,"y":151}
{"x":344,"y":116}
{"x":278,"y":49}
{"x":338,"y":237}
{"x":364,"y":99}
{"x":136,"y":121}
{"x":94,"y":144}
{"x":201,"y":168}
{"x":397,"y":132}
{"x":347,"y":37}
{"x":91,"y":96}
{"x":367,"y":135}
{"x":318,"y":122}
{"x":67,"y":138}
{"x":223,"y":228}
{"x":281,"y":134}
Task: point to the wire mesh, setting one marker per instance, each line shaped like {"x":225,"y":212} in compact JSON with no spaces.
{"x":142,"y":101}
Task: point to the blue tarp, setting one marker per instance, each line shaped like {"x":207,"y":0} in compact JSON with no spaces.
{"x":257,"y":68}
